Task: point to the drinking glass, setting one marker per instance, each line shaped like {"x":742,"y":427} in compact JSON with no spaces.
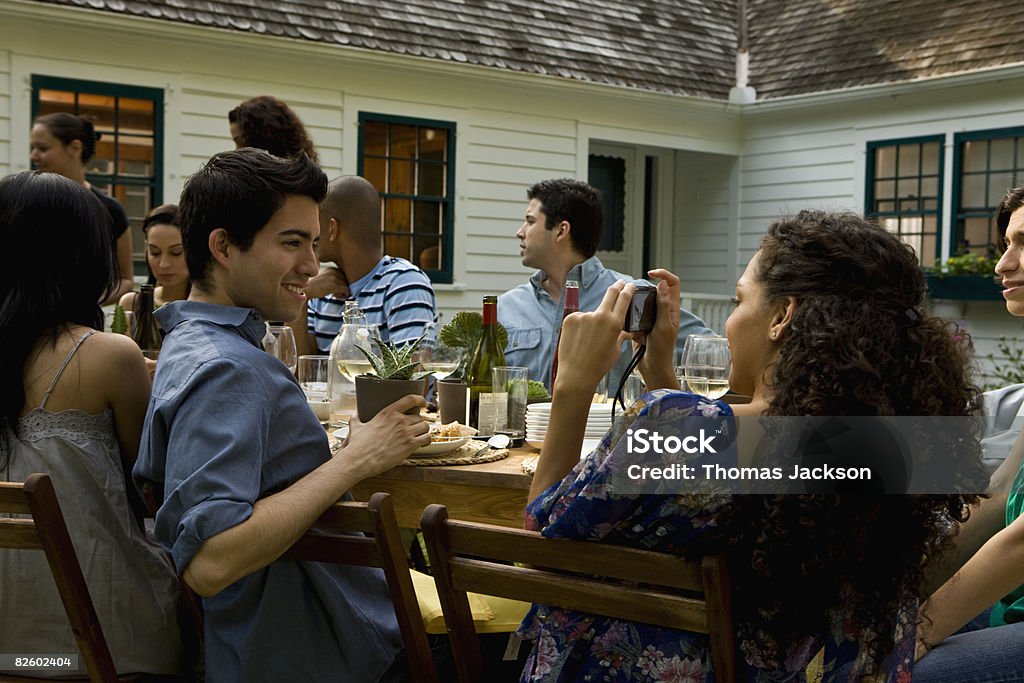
{"x":510,"y":383}
{"x":437,"y":357}
{"x":633,"y":388}
{"x":313,"y":373}
{"x":706,"y":366}
{"x":680,"y":368}
{"x":280,"y":342}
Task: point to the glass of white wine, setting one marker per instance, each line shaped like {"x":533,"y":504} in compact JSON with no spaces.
{"x":345,"y":353}
{"x":706,"y":366}
{"x":437,"y":357}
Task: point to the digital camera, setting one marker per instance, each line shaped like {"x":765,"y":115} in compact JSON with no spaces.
{"x":643,"y":310}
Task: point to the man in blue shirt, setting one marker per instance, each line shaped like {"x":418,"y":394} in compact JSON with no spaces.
{"x":242,"y":464}
{"x":392,"y":292}
{"x":559,"y":237}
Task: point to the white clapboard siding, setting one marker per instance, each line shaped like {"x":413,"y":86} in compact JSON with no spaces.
{"x":5,"y":113}
{"x":702,"y":254}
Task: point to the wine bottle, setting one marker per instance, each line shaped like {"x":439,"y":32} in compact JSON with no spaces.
{"x":146,"y":331}
{"x":572,"y":304}
{"x":483,"y":410}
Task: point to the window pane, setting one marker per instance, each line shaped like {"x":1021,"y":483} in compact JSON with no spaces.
{"x":397,"y":215}
{"x":433,"y":143}
{"x":930,"y":158}
{"x":51,"y":101}
{"x":427,"y":217}
{"x":1001,"y":154}
{"x":927,"y":253}
{"x":135,"y":155}
{"x":99,"y":108}
{"x":975,"y":156}
{"x":103,"y":160}
{"x":136,"y":115}
{"x":398,"y":245}
{"x":373,"y":170}
{"x":403,"y":141}
{"x":907,"y":188}
{"x":431,"y":179}
{"x":885,"y":162}
{"x":910,"y":156}
{"x":929,"y":187}
{"x":976,"y":231}
{"x":885,"y":189}
{"x":998,"y":185}
{"x":375,"y":138}
{"x":886,"y":206}
{"x":973,"y":192}
{"x":400,"y":177}
{"x":427,"y":252}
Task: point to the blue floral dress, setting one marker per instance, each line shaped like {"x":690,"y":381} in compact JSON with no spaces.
{"x":572,"y":646}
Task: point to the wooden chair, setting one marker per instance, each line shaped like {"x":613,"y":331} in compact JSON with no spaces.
{"x":46,"y":531}
{"x":384,"y":550}
{"x":589,"y":577}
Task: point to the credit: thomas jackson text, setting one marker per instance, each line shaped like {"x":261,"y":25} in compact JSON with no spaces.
{"x":644,"y":441}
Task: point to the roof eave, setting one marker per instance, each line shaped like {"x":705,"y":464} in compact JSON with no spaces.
{"x":861,"y":92}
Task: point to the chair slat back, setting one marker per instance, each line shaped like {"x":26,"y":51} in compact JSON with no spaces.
{"x":38,"y":498}
{"x":383,"y":550}
{"x":608,"y":580}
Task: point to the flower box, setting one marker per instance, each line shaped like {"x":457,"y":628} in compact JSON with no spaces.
{"x":964,"y":287}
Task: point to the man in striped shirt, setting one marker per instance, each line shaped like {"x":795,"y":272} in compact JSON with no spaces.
{"x":392,"y":292}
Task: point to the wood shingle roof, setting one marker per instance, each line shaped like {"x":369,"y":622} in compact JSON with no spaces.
{"x":683,"y":47}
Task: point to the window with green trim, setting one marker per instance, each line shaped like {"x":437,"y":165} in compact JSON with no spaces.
{"x":986,"y":164}
{"x":904,"y":191}
{"x":128,"y":164}
{"x":411,"y":162}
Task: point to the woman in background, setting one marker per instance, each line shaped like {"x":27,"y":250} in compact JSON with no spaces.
{"x":165,"y":257}
{"x":63,"y":143}
{"x":266,"y":122}
{"x":73,"y":405}
{"x":828,"y":322}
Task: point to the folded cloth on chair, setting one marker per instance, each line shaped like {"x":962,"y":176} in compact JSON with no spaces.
{"x":490,"y":614}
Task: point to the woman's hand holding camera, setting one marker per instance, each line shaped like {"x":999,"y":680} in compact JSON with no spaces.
{"x":658,"y":364}
{"x":589,"y":345}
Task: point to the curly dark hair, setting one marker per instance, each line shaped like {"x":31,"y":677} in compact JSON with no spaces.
{"x":858,"y":345}
{"x":266,"y":122}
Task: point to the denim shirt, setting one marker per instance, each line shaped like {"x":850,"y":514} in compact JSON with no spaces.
{"x":532,"y":319}
{"x":228,"y":425}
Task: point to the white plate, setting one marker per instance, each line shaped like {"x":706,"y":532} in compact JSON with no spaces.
{"x":340,"y":434}
{"x":439,"y":447}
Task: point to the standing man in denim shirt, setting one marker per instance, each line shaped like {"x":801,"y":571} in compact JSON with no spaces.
{"x":240,"y":461}
{"x":559,"y":237}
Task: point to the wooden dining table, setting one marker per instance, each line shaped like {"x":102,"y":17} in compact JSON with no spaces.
{"x":492,"y":492}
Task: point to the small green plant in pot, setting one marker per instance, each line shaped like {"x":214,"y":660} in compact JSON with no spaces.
{"x":397,"y":376}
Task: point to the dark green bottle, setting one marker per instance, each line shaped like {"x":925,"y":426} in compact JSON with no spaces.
{"x":487,"y":356}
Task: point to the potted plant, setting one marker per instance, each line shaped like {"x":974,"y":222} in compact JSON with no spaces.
{"x":396,"y":377}
{"x":463,"y":331}
{"x":966,"y":276}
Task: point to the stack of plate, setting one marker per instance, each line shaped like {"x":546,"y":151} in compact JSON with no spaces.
{"x":599,"y":421}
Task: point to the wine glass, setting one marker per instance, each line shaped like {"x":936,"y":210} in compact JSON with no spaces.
{"x":437,"y":357}
{"x":680,"y":369}
{"x":280,"y":342}
{"x":706,"y":366}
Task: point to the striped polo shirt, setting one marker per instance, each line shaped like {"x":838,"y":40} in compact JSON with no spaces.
{"x":396,"y":295}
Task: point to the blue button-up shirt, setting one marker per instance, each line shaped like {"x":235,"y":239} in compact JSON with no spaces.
{"x":532,"y":319}
{"x":226,"y":426}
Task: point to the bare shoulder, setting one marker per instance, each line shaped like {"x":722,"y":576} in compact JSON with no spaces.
{"x":127,"y":301}
{"x":106,"y":351}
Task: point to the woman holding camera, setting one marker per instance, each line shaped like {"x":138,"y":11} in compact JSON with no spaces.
{"x":827,"y":323}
